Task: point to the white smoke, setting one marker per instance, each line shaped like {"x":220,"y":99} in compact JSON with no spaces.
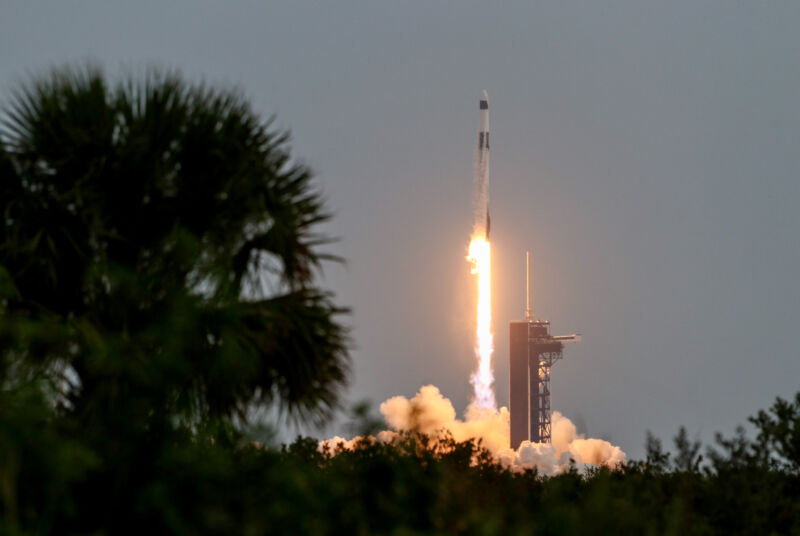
{"x":429,"y":412}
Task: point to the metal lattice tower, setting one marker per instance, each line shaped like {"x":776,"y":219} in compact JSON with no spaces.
{"x":533,"y":351}
{"x":544,"y":422}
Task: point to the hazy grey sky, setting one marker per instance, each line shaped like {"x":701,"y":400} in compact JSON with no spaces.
{"x":647,"y":152}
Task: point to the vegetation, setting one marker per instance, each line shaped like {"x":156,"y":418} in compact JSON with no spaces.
{"x":157,"y":282}
{"x":157,"y":261}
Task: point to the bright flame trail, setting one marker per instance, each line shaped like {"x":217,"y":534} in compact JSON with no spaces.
{"x":481,"y":259}
{"x":483,"y":378}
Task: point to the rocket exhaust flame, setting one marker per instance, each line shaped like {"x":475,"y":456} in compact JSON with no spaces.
{"x":480,"y":256}
{"x":483,"y":378}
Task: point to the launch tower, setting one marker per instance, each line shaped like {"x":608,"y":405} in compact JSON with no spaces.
{"x":532,"y":354}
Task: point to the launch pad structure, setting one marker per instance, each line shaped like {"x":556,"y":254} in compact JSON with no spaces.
{"x":532,"y":353}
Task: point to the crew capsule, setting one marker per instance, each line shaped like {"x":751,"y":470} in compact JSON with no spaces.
{"x":483,"y":130}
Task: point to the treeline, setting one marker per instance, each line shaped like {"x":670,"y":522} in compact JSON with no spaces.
{"x":159,"y":252}
{"x":218,"y":481}
{"x":421,"y":485}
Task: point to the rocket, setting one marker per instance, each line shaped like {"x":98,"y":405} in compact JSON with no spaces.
{"x":482,"y":220}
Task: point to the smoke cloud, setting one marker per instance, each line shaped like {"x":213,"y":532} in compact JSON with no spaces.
{"x":429,"y":412}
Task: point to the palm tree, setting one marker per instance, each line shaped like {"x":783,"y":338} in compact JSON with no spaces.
{"x":158,"y":255}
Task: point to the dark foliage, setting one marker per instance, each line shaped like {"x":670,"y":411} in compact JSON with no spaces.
{"x":158,"y":248}
{"x":416,"y":485}
{"x":158,"y":254}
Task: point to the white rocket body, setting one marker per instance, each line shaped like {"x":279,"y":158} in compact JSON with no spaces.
{"x":482,"y":220}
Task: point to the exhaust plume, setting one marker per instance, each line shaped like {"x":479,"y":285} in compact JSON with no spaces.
{"x":430,"y":413}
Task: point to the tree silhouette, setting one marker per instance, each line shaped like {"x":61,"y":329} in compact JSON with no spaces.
{"x":158,"y":252}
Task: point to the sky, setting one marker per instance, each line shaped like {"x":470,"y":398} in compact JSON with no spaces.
{"x":645,"y":152}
